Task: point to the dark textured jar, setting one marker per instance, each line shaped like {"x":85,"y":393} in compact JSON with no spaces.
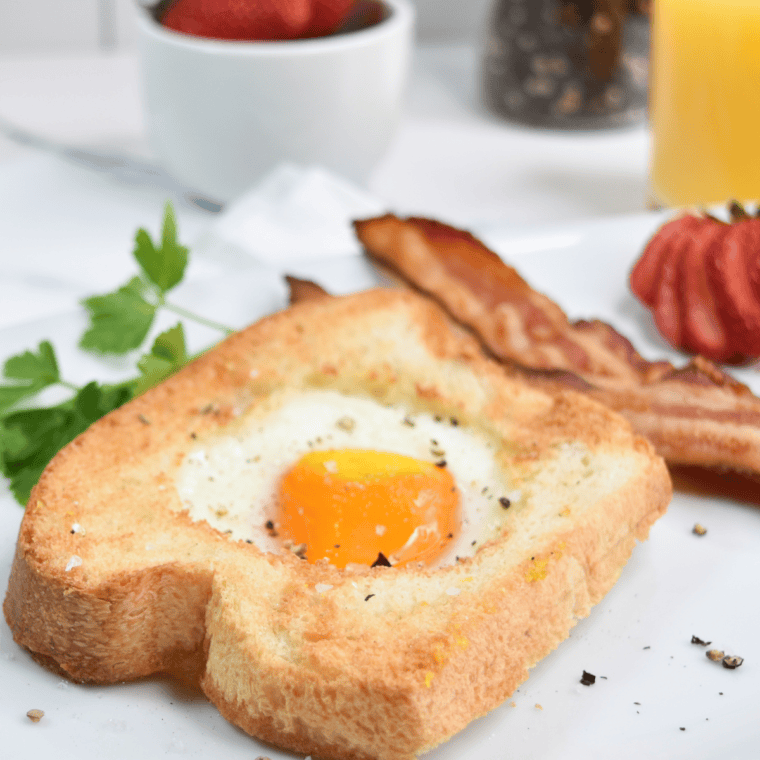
{"x":580,"y":64}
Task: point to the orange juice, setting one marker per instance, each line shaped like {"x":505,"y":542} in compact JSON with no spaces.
{"x":705,"y":101}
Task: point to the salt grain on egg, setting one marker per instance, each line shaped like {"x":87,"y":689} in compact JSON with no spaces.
{"x":346,"y":423}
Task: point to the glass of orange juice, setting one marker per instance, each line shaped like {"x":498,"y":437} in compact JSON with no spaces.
{"x":705,"y":102}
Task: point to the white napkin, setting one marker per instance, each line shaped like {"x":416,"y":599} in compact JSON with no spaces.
{"x":295,"y":214}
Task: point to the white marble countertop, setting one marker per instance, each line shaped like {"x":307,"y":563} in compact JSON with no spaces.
{"x":66,"y":225}
{"x":450,"y":157}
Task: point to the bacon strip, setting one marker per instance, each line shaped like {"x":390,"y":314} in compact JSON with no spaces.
{"x":303,"y":290}
{"x":694,"y":415}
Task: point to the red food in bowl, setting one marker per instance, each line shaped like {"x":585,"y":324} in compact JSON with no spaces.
{"x":256,"y":19}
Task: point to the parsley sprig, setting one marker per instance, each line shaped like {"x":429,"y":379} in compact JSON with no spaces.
{"x":119,"y":322}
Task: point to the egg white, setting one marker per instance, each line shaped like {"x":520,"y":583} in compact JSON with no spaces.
{"x":231,"y":481}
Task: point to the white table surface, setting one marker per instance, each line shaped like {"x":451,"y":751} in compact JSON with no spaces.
{"x":68,"y":227}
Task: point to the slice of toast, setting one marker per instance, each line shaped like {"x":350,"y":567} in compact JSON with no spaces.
{"x":115,"y":576}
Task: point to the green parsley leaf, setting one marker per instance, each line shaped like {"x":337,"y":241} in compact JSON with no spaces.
{"x":94,"y":401}
{"x":22,"y":483}
{"x":112,"y":396}
{"x":41,"y":366}
{"x":164,"y":266}
{"x":10,"y":441}
{"x":167,"y":355}
{"x":35,"y":371}
{"x":119,"y":321}
{"x":10,"y":395}
{"x":31,"y":437}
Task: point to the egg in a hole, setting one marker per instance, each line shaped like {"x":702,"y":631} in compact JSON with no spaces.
{"x":348,"y":480}
{"x":384,"y":664}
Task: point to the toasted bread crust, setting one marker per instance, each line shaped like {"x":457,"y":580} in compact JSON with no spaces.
{"x":361,"y":663}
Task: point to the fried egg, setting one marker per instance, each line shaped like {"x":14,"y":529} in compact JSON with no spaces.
{"x":346,"y":479}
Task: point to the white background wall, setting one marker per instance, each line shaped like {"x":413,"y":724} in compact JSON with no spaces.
{"x":37,"y":26}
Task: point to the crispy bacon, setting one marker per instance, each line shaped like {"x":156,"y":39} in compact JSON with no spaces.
{"x":694,"y":415}
{"x":303,"y":290}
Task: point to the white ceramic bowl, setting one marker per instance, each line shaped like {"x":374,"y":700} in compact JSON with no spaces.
{"x":221,"y":114}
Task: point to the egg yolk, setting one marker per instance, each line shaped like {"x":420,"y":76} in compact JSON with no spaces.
{"x":349,"y":505}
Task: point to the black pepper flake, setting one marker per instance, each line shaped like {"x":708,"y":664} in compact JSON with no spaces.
{"x":454,"y":421}
{"x":368,"y":597}
{"x":441,"y":463}
{"x":381,"y":561}
{"x":193,"y":435}
{"x":505,"y":502}
{"x":681,"y":728}
{"x":143,"y":419}
{"x":269,"y":525}
{"x":647,"y":647}
{"x":451,"y":535}
{"x":697,"y":640}
{"x":637,"y":703}
{"x":249,"y":540}
{"x":588,"y":679}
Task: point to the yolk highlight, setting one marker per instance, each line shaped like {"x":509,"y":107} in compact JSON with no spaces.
{"x":348,"y":505}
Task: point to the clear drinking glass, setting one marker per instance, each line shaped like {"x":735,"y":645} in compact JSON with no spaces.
{"x":705,"y":102}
